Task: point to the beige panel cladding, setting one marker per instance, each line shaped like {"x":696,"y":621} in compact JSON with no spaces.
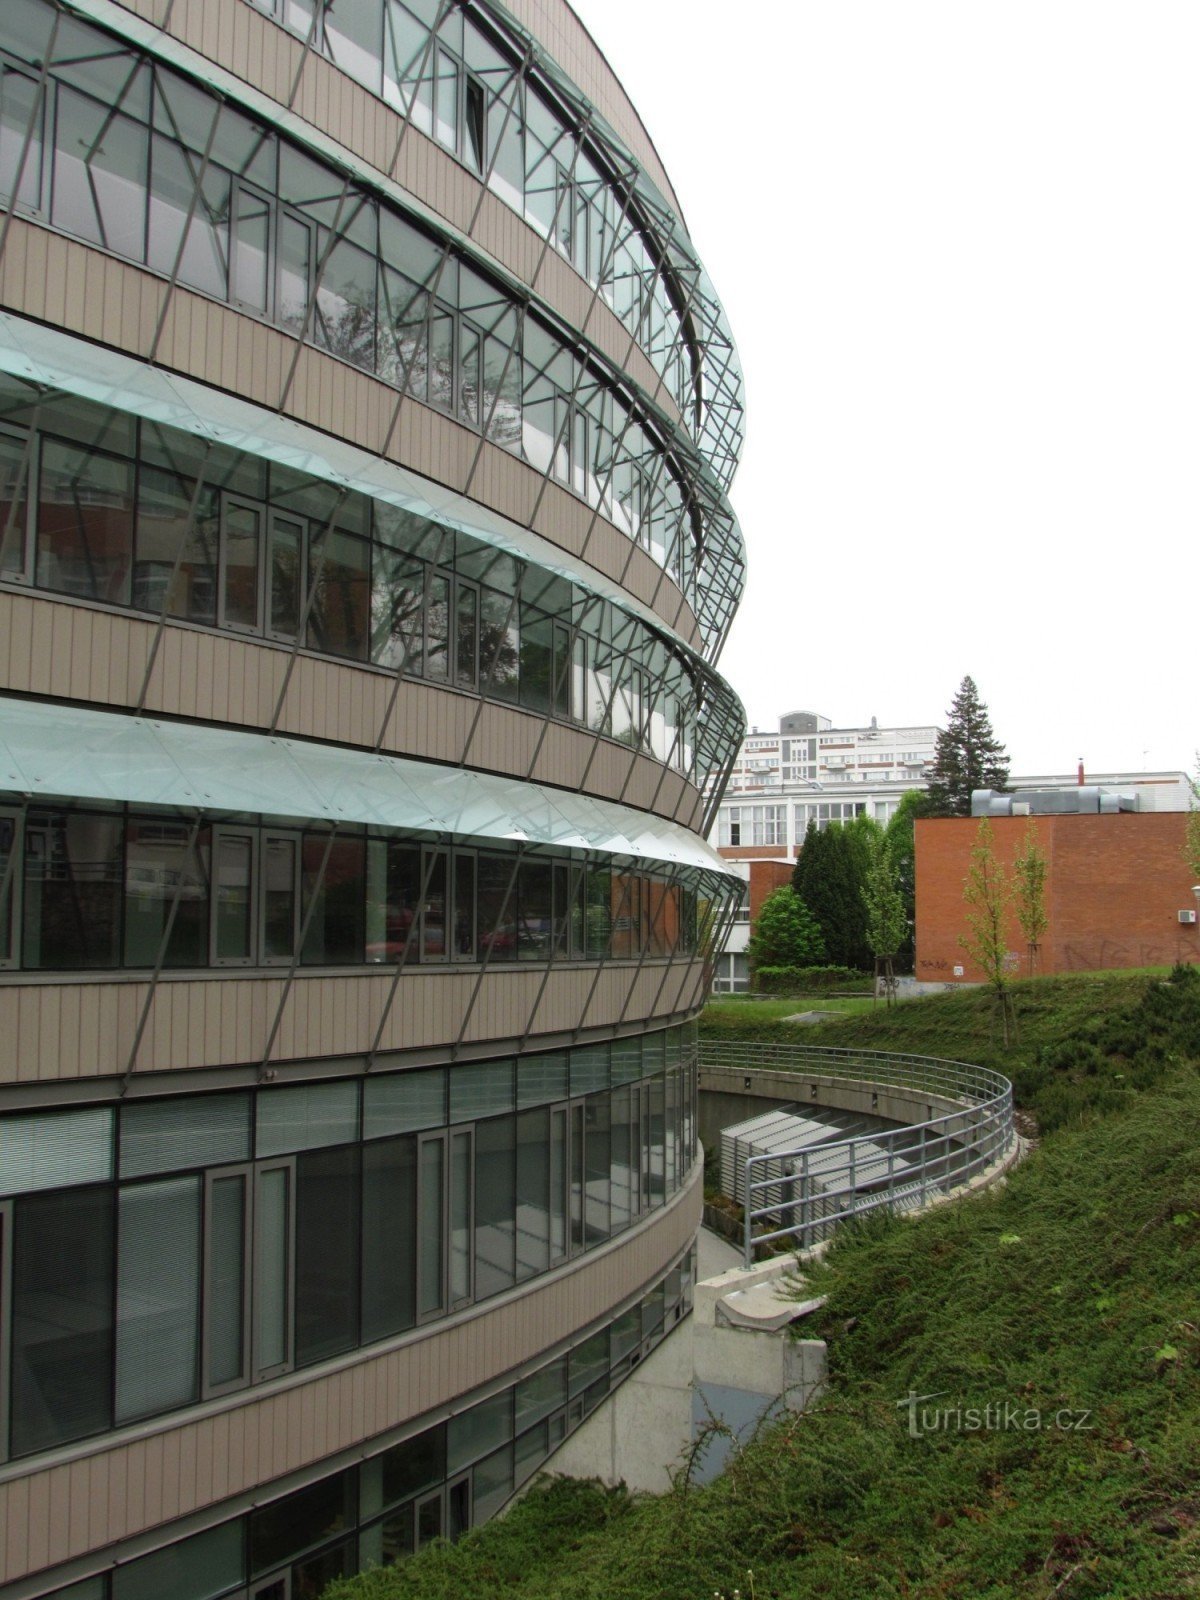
{"x":81,"y":289}
{"x":70,"y":651}
{"x":115,"y":1491}
{"x":85,"y":1029}
{"x":260,"y":52}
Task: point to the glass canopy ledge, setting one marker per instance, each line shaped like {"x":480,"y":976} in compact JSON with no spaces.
{"x":61,"y":361}
{"x":73,"y":752}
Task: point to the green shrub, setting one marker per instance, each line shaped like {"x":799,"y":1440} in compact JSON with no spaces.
{"x":799,"y":980}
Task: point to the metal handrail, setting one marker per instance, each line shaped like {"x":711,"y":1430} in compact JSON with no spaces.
{"x":814,"y":1188}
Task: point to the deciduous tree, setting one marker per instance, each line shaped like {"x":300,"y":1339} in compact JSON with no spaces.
{"x":1029,"y":891}
{"x":988,"y":895}
{"x":887,"y":924}
{"x":785,"y":933}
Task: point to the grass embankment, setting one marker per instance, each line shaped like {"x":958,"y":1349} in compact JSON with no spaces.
{"x":1069,"y":1297}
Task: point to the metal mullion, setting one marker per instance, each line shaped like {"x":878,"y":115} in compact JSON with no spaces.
{"x":414,"y":925}
{"x":160,"y":959}
{"x":487,"y":954}
{"x":314,"y":578}
{"x":188,"y":530}
{"x":285,"y":993}
{"x":197,"y":190}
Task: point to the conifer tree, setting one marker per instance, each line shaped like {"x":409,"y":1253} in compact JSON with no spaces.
{"x":828,"y":877}
{"x":967,"y":756}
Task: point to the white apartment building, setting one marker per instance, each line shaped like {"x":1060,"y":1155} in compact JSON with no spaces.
{"x":810,"y":771}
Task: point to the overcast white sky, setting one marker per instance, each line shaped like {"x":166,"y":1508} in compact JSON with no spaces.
{"x":959,"y":246}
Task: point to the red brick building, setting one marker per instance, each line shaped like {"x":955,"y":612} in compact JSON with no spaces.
{"x":1115,"y":885}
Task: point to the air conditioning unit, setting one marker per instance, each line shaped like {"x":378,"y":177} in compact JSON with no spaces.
{"x":1187,"y":916}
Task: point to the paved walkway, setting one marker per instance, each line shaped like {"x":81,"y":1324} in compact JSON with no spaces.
{"x":717,"y":1255}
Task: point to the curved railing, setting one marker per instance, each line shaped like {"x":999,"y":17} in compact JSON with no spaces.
{"x":803,"y":1194}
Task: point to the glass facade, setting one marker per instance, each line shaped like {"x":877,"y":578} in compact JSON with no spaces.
{"x":438,"y":1482}
{"x":114,"y":889}
{"x":166,"y":1251}
{"x":209,"y":825}
{"x":135,"y":158}
{"x":100,"y":506}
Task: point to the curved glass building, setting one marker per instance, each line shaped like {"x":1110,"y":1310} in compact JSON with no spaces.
{"x":366,"y":428}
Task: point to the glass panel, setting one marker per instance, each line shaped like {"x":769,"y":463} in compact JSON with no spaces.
{"x":353,"y":30}
{"x":433,"y":921}
{"x":71,"y":900}
{"x":233,"y":855}
{"x":166,"y":881}
{"x":295,"y":245}
{"x":198,"y":1568}
{"x":194,"y":1131}
{"x":558,"y":1184}
{"x":225,"y":1299}
{"x":533,"y":1193}
{"x":478,"y":1431}
{"x":495,"y":1206}
{"x":306,"y":1116}
{"x":404,"y":1101}
{"x":344,"y":312}
{"x":50,"y":1150}
{"x":158,"y":1297}
{"x":466,"y":637}
{"x":429,"y":1520}
{"x":340,"y":576}
{"x":437,"y":628}
{"x":598,"y":1157}
{"x":250,"y":258}
{"x":576,"y":1177}
{"x":285,"y":1529}
{"x":492,"y":1482}
{"x":480,"y":1089}
{"x":85,"y":523}
{"x":312,"y":1577}
{"x":18,"y":101}
{"x":100,"y":174}
{"x":460,"y":1218}
{"x":204,"y":260}
{"x":62,"y":1306}
{"x":447,"y":100}
{"x":272,"y":1263}
{"x":279,"y":897}
{"x":393,"y":896}
{"x":397,"y":610}
{"x":335,"y":927}
{"x":388,"y":1237}
{"x":14,"y":494}
{"x":243,"y":531}
{"x":406,"y":1468}
{"x":622,"y":1159}
{"x":464,"y":907}
{"x":541,"y":1078}
{"x":430,"y":1227}
{"x":177,"y":528}
{"x":536,"y":923}
{"x":287,"y":553}
{"x":327,"y":1253}
{"x":496,"y":908}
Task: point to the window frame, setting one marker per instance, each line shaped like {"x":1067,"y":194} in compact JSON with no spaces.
{"x":260,"y":509}
{"x":30,"y":440}
{"x":15,"y":879}
{"x":295,"y":838}
{"x":7,"y":1210}
{"x":261,"y":1170}
{"x":244,"y":1170}
{"x":221,"y":832}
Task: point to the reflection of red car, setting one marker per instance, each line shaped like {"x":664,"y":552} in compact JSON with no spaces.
{"x":501,"y":942}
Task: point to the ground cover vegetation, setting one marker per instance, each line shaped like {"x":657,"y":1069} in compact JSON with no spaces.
{"x":1059,"y":1311}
